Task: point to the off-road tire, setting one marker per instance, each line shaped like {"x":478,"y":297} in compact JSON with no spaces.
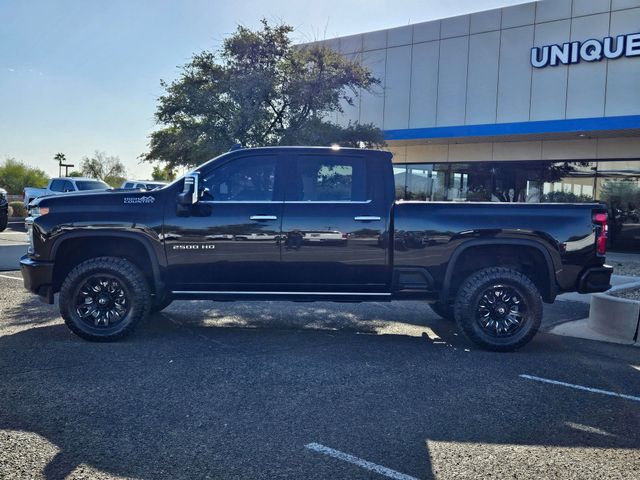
{"x":161,"y":302}
{"x":467,"y":307}
{"x":443,"y":310}
{"x":133,"y":284}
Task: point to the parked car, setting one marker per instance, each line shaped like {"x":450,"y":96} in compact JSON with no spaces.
{"x":321,"y":236}
{"x":4,"y":209}
{"x":114,"y":257}
{"x":62,"y":185}
{"x":255,"y":237}
{"x":142,"y":185}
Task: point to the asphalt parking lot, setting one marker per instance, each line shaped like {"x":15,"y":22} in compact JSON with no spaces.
{"x":283,"y":390}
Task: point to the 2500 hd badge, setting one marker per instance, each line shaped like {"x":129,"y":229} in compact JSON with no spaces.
{"x":193,"y":246}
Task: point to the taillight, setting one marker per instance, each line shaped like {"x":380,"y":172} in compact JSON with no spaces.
{"x":602,"y":228}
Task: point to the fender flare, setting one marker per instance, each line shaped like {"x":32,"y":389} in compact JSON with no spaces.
{"x":548,"y":295}
{"x":153,"y":257}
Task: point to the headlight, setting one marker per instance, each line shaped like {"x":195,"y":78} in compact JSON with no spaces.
{"x":28,"y":223}
{"x":37,"y":211}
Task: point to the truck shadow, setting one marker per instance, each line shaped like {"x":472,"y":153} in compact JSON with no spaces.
{"x":236,"y":391}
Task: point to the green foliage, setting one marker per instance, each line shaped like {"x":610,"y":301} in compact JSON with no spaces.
{"x":15,"y":175}
{"x":17,"y":209}
{"x":565,"y":197}
{"x":75,"y":173}
{"x":163,"y":174}
{"x":620,"y":193}
{"x":104,"y":167}
{"x":259,"y":90}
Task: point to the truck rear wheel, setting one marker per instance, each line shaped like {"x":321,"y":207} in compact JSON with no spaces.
{"x":102,"y":299}
{"x":498,"y":308}
{"x":443,"y":310}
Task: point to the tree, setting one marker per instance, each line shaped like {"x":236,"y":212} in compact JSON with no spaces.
{"x":621,"y":193}
{"x":107,"y":168}
{"x":163,"y":174}
{"x":259,"y":90}
{"x":15,"y":175}
{"x":60,"y":158}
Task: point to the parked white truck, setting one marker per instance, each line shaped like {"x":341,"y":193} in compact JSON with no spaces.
{"x":61,"y":185}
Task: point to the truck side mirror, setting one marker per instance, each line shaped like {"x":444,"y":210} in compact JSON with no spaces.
{"x":189,"y":195}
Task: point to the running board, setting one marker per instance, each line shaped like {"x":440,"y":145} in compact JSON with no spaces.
{"x":294,"y":296}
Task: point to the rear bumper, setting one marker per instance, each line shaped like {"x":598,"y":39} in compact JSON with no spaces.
{"x":38,"y":277}
{"x":595,"y":279}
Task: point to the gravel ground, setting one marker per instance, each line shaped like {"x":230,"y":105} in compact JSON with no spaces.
{"x":631,"y":294}
{"x":626,"y":268}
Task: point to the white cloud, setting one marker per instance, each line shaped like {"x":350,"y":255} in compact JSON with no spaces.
{"x":11,"y":69}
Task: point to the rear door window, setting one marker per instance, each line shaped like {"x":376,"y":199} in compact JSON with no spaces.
{"x":323,"y":178}
{"x":91,"y":185}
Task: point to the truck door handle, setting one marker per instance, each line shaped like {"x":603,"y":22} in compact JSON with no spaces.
{"x":367,"y":218}
{"x":263,"y":217}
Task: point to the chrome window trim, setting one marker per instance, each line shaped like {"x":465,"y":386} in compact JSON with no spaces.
{"x":302,"y":202}
{"x":238,"y":201}
{"x":339,"y":202}
{"x":216,"y":292}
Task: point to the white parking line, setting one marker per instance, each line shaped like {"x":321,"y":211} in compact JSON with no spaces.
{"x":7,"y":276}
{"x":580,"y":387}
{"x":374,"y":467}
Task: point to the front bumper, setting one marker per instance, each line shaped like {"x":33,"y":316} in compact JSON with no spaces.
{"x":595,"y":279}
{"x":38,"y":277}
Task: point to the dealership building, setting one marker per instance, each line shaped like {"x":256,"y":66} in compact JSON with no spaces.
{"x":533,"y":102}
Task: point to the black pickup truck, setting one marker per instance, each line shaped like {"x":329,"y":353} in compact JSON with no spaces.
{"x":304,"y":224}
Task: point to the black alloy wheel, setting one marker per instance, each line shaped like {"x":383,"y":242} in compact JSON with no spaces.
{"x":101,"y":301}
{"x":501,"y":311}
{"x":498,"y":308}
{"x":104,"y":298}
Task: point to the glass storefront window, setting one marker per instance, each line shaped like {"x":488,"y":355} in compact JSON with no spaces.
{"x":618,"y":186}
{"x":400,"y":179}
{"x":570,"y":182}
{"x":615,"y":183}
{"x":426,"y":182}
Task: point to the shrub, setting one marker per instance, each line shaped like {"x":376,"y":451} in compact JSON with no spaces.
{"x":566,"y":197}
{"x":17,"y":209}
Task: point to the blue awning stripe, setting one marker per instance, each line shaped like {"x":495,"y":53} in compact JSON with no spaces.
{"x":576,"y":125}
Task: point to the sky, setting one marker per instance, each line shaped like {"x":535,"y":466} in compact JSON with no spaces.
{"x":83,"y":75}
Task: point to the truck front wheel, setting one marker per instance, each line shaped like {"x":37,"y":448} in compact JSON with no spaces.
{"x":102,"y":299}
{"x":498,"y":308}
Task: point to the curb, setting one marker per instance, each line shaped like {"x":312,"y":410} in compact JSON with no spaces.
{"x":10,"y":256}
{"x":611,"y":319}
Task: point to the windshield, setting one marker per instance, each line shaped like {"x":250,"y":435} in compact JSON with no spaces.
{"x":91,"y":185}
